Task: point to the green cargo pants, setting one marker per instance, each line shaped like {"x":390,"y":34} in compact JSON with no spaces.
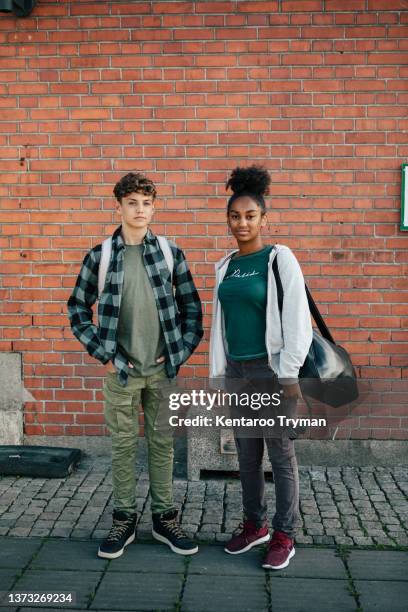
{"x":121,"y":415}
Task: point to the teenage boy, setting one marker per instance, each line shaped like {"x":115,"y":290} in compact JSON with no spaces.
{"x":150,"y":322}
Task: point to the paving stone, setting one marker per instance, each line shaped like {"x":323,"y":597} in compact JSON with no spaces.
{"x":302,"y":595}
{"x":191,"y":518}
{"x":315,"y":531}
{"x":223,"y":537}
{"x":356,"y":533}
{"x":210,"y":527}
{"x":204,"y":593}
{"x":381,"y":596}
{"x":39,"y":532}
{"x":363,"y":541}
{"x":343,"y":540}
{"x":323,"y":539}
{"x":331,"y":523}
{"x":61,"y":532}
{"x":205,"y":536}
{"x":130,"y":591}
{"x":81,"y":534}
{"x":329,"y":514}
{"x":378,"y":564}
{"x":83,"y":584}
{"x":303,"y":539}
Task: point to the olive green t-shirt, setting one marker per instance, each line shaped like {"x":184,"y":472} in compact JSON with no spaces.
{"x":140,"y":336}
{"x":243,"y":297}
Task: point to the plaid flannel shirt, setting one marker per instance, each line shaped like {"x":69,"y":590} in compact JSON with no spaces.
{"x":179,"y":310}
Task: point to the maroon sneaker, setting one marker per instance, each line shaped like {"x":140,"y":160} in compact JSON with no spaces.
{"x":280,"y":550}
{"x":247,"y":535}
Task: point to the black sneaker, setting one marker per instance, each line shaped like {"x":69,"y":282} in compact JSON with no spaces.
{"x":121,"y":534}
{"x":167,"y":529}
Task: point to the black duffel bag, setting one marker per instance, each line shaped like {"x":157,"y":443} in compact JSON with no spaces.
{"x":327,"y":373}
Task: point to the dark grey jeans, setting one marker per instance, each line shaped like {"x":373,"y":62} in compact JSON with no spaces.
{"x":255,"y":376}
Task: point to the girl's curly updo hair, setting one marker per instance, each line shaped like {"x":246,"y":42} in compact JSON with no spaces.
{"x":134,"y":181}
{"x":252,"y":181}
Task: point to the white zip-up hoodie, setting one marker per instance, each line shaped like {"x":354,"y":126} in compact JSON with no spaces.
{"x":287,"y":341}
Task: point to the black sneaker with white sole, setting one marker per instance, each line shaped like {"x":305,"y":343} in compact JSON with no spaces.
{"x":121,"y":534}
{"x":167,"y":529}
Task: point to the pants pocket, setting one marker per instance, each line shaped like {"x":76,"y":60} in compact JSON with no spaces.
{"x":121,"y":411}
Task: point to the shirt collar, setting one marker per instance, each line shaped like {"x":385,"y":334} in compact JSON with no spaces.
{"x":117,"y":238}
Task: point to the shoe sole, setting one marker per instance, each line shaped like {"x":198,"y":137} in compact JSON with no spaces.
{"x":179,"y":551}
{"x":105,"y":555}
{"x":255,"y":543}
{"x":285,"y":564}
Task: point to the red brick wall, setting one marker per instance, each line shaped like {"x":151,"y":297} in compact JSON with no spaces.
{"x":185,"y":91}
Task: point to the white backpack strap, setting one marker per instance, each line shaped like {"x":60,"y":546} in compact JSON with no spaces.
{"x":167,"y":252}
{"x":104,"y":263}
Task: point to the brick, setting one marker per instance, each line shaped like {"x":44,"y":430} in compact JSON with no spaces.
{"x":385,"y":5}
{"x":338,"y":5}
{"x":302,"y":5}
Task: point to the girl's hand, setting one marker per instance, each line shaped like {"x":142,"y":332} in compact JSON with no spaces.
{"x":160,"y":359}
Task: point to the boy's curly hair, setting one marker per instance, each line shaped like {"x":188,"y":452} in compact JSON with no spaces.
{"x":134,"y":181}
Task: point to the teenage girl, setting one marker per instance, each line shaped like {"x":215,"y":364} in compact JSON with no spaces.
{"x":253,"y":342}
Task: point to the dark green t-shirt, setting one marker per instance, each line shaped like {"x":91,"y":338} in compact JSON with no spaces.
{"x":243,"y":296}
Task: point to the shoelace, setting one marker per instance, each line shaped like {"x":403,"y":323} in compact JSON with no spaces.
{"x":241,"y":527}
{"x":238,"y":529}
{"x":118,"y":529}
{"x":174,"y":526}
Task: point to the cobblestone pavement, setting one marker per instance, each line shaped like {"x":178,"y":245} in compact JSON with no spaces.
{"x":339,"y":506}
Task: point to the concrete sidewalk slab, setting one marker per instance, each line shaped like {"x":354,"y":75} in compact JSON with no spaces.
{"x":225,"y":594}
{"x":131,"y":591}
{"x":384,"y":596}
{"x":149,"y":558}
{"x":82,"y":583}
{"x":383,"y":565}
{"x":314,"y":563}
{"x":214,"y":560}
{"x":7,"y":577}
{"x":56,"y":555}
{"x":302,"y":595}
{"x":150,"y":577}
{"x":17,"y":552}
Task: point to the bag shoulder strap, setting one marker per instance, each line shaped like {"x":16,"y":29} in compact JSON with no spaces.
{"x":106,"y":255}
{"x":324,"y":330}
{"x":104,"y":263}
{"x":167,"y":252}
